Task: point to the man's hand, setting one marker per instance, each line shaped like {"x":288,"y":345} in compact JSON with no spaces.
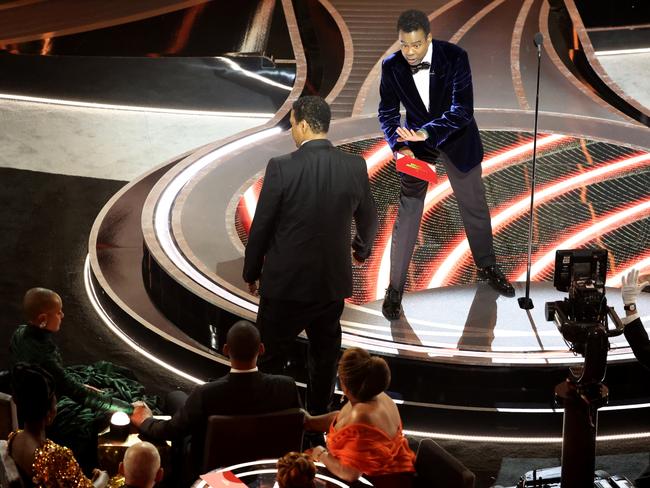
{"x":631,"y":287}
{"x":406,"y":152}
{"x":357,"y":260}
{"x":411,"y":135}
{"x":252,"y":288}
{"x":140,"y":413}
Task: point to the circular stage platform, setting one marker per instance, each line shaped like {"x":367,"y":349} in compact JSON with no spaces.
{"x":460,"y":350}
{"x":590,"y":193}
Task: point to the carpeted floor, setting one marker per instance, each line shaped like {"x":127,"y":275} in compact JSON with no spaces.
{"x":45,"y":221}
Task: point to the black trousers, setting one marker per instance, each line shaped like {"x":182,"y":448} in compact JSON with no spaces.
{"x":470,"y":195}
{"x":280,"y":322}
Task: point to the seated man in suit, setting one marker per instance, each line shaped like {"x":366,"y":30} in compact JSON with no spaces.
{"x":243,"y":391}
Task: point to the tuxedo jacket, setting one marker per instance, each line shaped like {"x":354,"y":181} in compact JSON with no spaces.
{"x":637,"y":338}
{"x":300,"y":238}
{"x":449,"y":120}
{"x":232,"y":394}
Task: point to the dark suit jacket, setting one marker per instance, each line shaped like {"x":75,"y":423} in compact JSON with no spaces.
{"x":300,"y":237}
{"x":450,"y":118}
{"x":232,"y":394}
{"x":638,"y":340}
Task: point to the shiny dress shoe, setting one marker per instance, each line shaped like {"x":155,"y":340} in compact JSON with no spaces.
{"x":497,"y":279}
{"x":392,"y":306}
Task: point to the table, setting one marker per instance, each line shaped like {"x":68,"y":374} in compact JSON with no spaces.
{"x":261,"y":474}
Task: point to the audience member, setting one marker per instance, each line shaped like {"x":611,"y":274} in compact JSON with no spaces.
{"x":33,"y":343}
{"x":636,"y":335}
{"x":243,"y":391}
{"x":365,"y":437}
{"x":299,"y":246}
{"x":296,"y":470}
{"x":140,"y":467}
{"x":40,"y":461}
{"x":82,"y":408}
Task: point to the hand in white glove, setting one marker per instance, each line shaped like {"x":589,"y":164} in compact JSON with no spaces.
{"x":631,"y":287}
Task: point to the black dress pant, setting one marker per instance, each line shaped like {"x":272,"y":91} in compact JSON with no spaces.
{"x":280,"y":322}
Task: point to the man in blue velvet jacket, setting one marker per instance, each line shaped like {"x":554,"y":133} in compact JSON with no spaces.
{"x":432,"y":80}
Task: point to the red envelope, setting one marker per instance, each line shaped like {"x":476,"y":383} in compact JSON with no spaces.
{"x":222,"y":479}
{"x":415,"y":167}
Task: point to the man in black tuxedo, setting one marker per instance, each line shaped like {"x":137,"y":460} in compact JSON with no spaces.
{"x":299,"y":246}
{"x":433,"y":81}
{"x":243,"y":391}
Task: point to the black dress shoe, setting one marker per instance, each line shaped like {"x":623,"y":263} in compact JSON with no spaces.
{"x":497,"y":279}
{"x":392,"y":306}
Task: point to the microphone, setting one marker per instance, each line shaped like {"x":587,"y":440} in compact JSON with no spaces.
{"x":538,"y":40}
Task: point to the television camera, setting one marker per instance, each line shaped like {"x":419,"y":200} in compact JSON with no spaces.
{"x":582,"y":319}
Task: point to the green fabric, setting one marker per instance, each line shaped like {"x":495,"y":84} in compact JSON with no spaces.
{"x":76,"y":426}
{"x":32,"y":345}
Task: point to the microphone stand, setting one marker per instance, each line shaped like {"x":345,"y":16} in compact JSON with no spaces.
{"x":526,"y":302}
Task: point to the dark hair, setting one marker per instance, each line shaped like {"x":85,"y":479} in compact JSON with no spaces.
{"x":412,"y":20}
{"x":315,"y":111}
{"x":364,"y":376}
{"x":33,"y":390}
{"x":296,"y":470}
{"x":243,"y":341}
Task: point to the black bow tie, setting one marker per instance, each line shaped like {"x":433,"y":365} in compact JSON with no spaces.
{"x":418,"y":67}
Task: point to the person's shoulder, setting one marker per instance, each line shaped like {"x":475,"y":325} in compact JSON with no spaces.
{"x":213,"y":384}
{"x":278,"y":379}
{"x":55,"y":452}
{"x":392,"y":59}
{"x":450,"y":49}
{"x":282,"y":158}
{"x":362,"y":413}
{"x":349,"y":157}
{"x":18,"y":334}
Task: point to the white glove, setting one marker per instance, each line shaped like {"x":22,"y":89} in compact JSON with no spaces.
{"x":631,"y":287}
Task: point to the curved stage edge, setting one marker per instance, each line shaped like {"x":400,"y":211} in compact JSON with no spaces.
{"x":188,"y":238}
{"x":178,"y":297}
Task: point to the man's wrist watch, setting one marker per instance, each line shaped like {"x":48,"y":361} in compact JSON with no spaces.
{"x":423,"y":133}
{"x":630,"y":307}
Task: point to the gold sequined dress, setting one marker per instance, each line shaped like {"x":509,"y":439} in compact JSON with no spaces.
{"x":54,"y":466}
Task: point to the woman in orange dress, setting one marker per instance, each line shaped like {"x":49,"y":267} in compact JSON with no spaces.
{"x":365,"y":436}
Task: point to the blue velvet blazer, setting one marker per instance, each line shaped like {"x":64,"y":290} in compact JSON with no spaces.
{"x":450,"y":118}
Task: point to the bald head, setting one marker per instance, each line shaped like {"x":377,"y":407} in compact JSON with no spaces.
{"x":38,"y":301}
{"x":141,"y":465}
{"x":243,"y":341}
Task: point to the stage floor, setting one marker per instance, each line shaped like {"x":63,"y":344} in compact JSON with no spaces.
{"x":591,"y":193}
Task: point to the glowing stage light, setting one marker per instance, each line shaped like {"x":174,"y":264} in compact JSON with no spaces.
{"x":442,"y":190}
{"x":163,"y":211}
{"x":641,"y":265}
{"x":103,"y":315}
{"x":129,"y":108}
{"x":612,"y":221}
{"x":512,"y":211}
{"x":251,"y":74}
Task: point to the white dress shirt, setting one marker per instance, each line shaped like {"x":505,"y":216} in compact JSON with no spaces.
{"x":233,"y":370}
{"x":421,"y":78}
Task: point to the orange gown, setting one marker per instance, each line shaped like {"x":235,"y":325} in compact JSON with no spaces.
{"x":371,"y":451}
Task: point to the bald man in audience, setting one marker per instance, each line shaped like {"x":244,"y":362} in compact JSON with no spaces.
{"x":242,"y":391}
{"x":141,"y":466}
